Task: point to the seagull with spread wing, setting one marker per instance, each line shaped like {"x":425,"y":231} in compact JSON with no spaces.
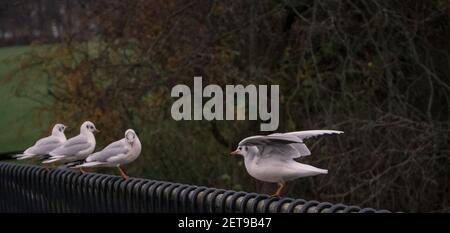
{"x":118,"y":153}
{"x":44,"y":145}
{"x":271,"y":158}
{"x":76,"y":148}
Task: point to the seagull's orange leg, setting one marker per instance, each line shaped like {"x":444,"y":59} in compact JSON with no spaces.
{"x":280,"y":188}
{"x":82,"y":171}
{"x":122,"y":173}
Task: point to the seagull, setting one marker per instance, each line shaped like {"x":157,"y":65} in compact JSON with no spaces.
{"x":76,"y":148}
{"x":118,"y":153}
{"x":44,"y":145}
{"x":271,"y":158}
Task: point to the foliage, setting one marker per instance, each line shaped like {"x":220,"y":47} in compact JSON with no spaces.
{"x":19,"y":122}
{"x":377,"y":70}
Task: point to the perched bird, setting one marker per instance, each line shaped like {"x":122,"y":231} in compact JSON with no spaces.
{"x":76,"y":148}
{"x":271,"y":158}
{"x":118,"y":153}
{"x":44,"y":145}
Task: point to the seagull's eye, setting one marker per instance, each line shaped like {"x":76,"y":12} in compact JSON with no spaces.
{"x":240,"y":148}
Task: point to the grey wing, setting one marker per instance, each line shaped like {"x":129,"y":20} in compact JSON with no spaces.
{"x":105,"y":154}
{"x":307,"y":134}
{"x":284,"y":145}
{"x":301,"y":148}
{"x":41,"y":149}
{"x":48,"y":141}
{"x":285,"y":151}
{"x":70,"y":150}
{"x":80,"y":139}
{"x":72,"y":146}
{"x":295,"y":150}
{"x":281,"y":145}
{"x":118,"y":143}
{"x":269,"y":140}
{"x":44,"y":146}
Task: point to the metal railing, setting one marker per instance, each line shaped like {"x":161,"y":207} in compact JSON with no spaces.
{"x":25,"y":188}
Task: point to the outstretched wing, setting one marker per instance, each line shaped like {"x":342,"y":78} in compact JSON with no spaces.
{"x":285,"y":151}
{"x":307,"y":134}
{"x":269,"y":140}
{"x":285,"y":145}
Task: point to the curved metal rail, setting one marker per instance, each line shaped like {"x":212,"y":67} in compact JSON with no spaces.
{"x":25,"y":188}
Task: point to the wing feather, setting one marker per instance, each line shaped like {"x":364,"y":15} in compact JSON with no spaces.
{"x":285,"y":145}
{"x":44,"y":146}
{"x":72,"y":146}
{"x":113,"y":149}
{"x":307,"y":134}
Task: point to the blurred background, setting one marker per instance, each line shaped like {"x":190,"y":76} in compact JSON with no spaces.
{"x":378,"y":70}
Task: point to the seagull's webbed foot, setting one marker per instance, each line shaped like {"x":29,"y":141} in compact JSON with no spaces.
{"x":278,"y":192}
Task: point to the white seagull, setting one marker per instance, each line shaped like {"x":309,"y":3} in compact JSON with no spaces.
{"x":118,"y":153}
{"x":44,"y":145}
{"x":76,"y":148}
{"x":271,"y":158}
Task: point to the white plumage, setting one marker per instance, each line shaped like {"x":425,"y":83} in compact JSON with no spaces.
{"x":118,"y":153}
{"x":76,"y":148}
{"x":44,"y":145}
{"x":271,"y":158}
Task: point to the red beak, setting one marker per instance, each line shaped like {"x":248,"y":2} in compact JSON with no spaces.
{"x":236,"y":152}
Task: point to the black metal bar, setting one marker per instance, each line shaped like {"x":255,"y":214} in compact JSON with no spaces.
{"x":26,"y":188}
